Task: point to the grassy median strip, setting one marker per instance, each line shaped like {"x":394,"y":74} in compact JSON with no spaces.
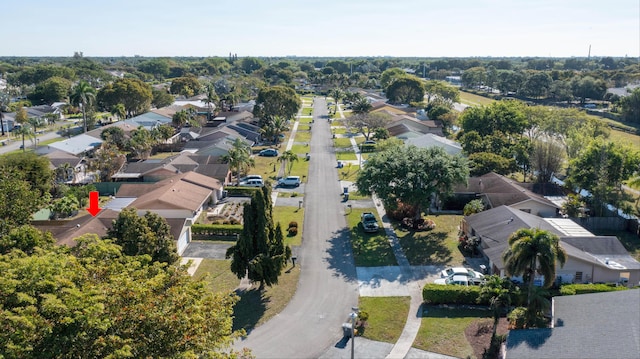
{"x":442,"y":330}
{"x":387,"y":316}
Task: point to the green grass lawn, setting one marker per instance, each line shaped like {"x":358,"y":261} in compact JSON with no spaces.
{"x":300,"y":148}
{"x":307,"y":111}
{"x":338,"y":130}
{"x":304,"y":127}
{"x":257,"y":307}
{"x":442,"y":330}
{"x":436,"y":247}
{"x":387,"y":316}
{"x":342,"y":142}
{"x":303,"y":136}
{"x":369,"y":249}
{"x":305,"y":120}
{"x":470,"y":99}
{"x":285,"y":215}
{"x":346,"y":156}
{"x":217,"y":275}
{"x":349,"y":172}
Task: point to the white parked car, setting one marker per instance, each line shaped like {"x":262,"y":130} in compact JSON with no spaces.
{"x":250,"y":177}
{"x":453,"y":280}
{"x":474,"y":277}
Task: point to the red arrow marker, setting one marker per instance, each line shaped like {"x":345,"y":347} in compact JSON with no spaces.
{"x":94,"y":206}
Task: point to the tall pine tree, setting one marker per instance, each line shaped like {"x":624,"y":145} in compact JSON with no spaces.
{"x":260,"y":252}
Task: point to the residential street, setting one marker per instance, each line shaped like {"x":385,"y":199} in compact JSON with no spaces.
{"x":328,"y":286}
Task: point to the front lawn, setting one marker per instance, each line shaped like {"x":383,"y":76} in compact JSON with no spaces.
{"x":217,"y":275}
{"x":436,"y":247}
{"x":286,"y":215}
{"x":369,"y":249}
{"x":442,"y":330}
{"x":387,"y":316}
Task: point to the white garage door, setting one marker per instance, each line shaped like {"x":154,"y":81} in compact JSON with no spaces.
{"x":183,"y":241}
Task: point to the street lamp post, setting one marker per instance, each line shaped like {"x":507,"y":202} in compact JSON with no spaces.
{"x":353,"y":316}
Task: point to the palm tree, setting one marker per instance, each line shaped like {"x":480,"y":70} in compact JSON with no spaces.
{"x":288,"y":157}
{"x":119,"y":111}
{"x":500,"y":292}
{"x":273,"y":127}
{"x":211,"y":99}
{"x":25,"y":131}
{"x":361,"y":106}
{"x":4,"y":102}
{"x":337,"y":94}
{"x":239,"y":157}
{"x":533,"y":251}
{"x":35,"y":122}
{"x":83,"y":95}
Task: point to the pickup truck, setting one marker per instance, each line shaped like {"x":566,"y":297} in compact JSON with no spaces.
{"x":369,"y":222}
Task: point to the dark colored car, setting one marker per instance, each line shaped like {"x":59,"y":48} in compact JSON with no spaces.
{"x":269,"y":152}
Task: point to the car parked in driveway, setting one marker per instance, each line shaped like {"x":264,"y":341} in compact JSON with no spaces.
{"x":369,"y":222}
{"x":252,"y":183}
{"x":250,"y":177}
{"x":269,"y":152}
{"x":289,"y":181}
{"x":473,"y":276}
{"x":453,"y":280}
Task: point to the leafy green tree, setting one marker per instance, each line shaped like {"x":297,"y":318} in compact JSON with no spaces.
{"x":367,"y":124}
{"x":251,"y":64}
{"x":630,"y":106}
{"x":21,"y":116}
{"x":186,"y":86}
{"x":474,"y":76}
{"x":185,"y":117}
{"x":260,"y":253}
{"x":277,"y":101}
{"x":533,"y":251}
{"x":107,"y":161}
{"x":65,"y":206}
{"x":588,"y":87}
{"x":135,"y":95}
{"x":210,"y":99}
{"x":537,"y":84}
{"x":406,"y":89}
{"x":18,"y":202}
{"x":573,"y":205}
{"x":411,"y":175}
{"x":30,"y":167}
{"x":51,"y":90}
{"x":161,"y":98}
{"x":96,"y":302}
{"x":548,"y":158}
{"x":149,"y":234}
{"x":25,"y":238}
{"x":83,"y":95}
{"x":474,"y":206}
{"x":116,"y":136}
{"x":601,"y":169}
{"x":389,"y":75}
{"x":163,"y":132}
{"x":156,"y":67}
{"x":288,"y":158}
{"x":443,"y":91}
{"x":481,"y":163}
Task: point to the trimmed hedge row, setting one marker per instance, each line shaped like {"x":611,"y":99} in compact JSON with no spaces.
{"x":451,"y":294}
{"x":216,"y":229}
{"x":241,"y":191}
{"x":572,"y":289}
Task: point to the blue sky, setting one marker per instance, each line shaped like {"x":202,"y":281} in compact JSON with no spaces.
{"x":418,"y":28}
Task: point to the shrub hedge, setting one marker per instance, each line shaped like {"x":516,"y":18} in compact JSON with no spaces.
{"x":573,"y":289}
{"x":241,"y":191}
{"x":451,"y":294}
{"x":216,"y":229}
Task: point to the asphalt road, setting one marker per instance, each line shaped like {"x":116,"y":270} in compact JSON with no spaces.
{"x":16,"y":142}
{"x":328,"y":286}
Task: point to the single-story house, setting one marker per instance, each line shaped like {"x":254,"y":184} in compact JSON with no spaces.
{"x":586,"y":326}
{"x":590,"y":258}
{"x":405,"y":127}
{"x":496,"y":190}
{"x":78,"y":144}
{"x":59,"y":159}
{"x":433,"y":140}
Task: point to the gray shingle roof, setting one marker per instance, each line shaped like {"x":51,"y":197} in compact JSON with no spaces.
{"x":599,"y":325}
